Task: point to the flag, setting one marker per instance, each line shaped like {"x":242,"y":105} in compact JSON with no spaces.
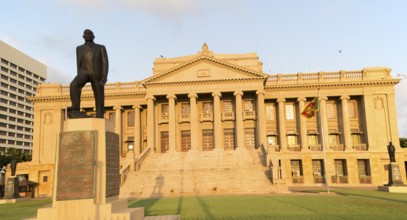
{"x":311,"y":109}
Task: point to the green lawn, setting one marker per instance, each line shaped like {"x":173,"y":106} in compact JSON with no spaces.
{"x":345,"y":204}
{"x":21,"y":210}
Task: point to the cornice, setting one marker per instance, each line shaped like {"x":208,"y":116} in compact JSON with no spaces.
{"x":205,"y":81}
{"x":331,"y":85}
{"x":85,"y":97}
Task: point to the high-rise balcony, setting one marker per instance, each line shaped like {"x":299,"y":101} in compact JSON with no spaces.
{"x":228,"y":116}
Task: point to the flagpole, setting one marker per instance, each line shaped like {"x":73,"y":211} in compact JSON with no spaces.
{"x":323,"y":143}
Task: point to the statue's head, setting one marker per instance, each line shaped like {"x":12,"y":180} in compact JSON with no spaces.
{"x":88,"y":35}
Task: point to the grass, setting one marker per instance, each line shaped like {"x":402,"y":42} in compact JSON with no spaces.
{"x":23,"y":209}
{"x":345,"y":204}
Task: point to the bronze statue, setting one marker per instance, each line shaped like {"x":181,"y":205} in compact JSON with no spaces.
{"x":392,"y":152}
{"x":13,"y":167}
{"x":92,"y":66}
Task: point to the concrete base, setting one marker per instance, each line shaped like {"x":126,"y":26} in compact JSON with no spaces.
{"x":7,"y":201}
{"x":393,"y":189}
{"x":86,"y":209}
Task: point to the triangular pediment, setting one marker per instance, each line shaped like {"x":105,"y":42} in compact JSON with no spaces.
{"x":204,"y":68}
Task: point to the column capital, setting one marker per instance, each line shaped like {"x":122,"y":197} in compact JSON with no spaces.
{"x":137,"y":106}
{"x":240,"y":93}
{"x":260,"y":92}
{"x":192,"y":95}
{"x":150,"y":97}
{"x":345,"y":97}
{"x":171,"y":96}
{"x":281,"y":100}
{"x":117,"y":107}
{"x":323,"y":98}
{"x":216,"y":94}
{"x":301,"y":99}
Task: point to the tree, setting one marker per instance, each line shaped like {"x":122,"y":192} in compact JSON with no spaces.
{"x":10,"y":153}
{"x":403,"y":142}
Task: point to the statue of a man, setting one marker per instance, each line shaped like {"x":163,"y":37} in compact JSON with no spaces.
{"x":92,"y":66}
{"x":392,"y":152}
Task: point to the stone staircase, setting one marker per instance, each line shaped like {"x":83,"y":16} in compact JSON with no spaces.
{"x":239,"y":171}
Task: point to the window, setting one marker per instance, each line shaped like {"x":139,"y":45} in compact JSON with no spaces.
{"x":130,"y":119}
{"x":112,"y":117}
{"x":333,"y":137}
{"x":340,"y":167}
{"x":352,"y":110}
{"x":248,"y":105}
{"x":291,"y":139}
{"x":317,"y":168}
{"x":272,"y":140}
{"x":289,"y":111}
{"x":331,"y":110}
{"x":206,"y":107}
{"x":312,"y":139}
{"x":270,"y":112}
{"x":185,"y":110}
{"x":3,"y":61}
{"x":363,"y":167}
{"x":227,"y":106}
{"x":355,"y":139}
{"x":296,"y":170}
{"x":164,"y":109}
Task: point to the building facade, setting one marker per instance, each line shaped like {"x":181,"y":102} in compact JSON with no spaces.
{"x":211,"y":101}
{"x":20,"y":76}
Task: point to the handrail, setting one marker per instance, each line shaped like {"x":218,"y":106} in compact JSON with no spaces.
{"x":124,"y":171}
{"x":142,"y":157}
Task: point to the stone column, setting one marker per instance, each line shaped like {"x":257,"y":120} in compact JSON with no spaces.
{"x":118,"y":127}
{"x":281,"y":124}
{"x":217,"y":121}
{"x":324,"y":122}
{"x":172,"y":123}
{"x":150,"y":123}
{"x":193,"y":120}
{"x":261,"y":120}
{"x":137,"y":130}
{"x":303,"y":125}
{"x":345,"y":121}
{"x":239,"y":120}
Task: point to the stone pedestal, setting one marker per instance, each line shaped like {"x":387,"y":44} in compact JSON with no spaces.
{"x":11,"y":188}
{"x":87,"y":174}
{"x":395,"y":184}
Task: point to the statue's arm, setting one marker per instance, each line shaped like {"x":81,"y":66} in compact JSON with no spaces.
{"x":105,"y":63}
{"x":78,"y":59}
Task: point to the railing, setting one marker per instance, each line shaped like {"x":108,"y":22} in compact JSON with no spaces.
{"x":360,"y":147}
{"x":317,"y":147}
{"x":276,"y":148}
{"x":183,"y":118}
{"x":365,"y":179}
{"x":228,"y":116}
{"x":319,"y":76}
{"x":249,"y":115}
{"x":294,"y":147}
{"x":339,"y":179}
{"x":298,"y":179}
{"x":319,"y":179}
{"x":163,"y":118}
{"x":142,"y":157}
{"x":338,"y":147}
{"x":207,"y":116}
{"x":124,"y":171}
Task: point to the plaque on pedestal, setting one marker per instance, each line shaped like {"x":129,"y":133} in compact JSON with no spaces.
{"x":11,"y":190}
{"x":395,"y":175}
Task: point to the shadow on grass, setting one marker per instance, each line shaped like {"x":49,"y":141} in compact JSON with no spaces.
{"x":349,"y":192}
{"x":146,"y":203}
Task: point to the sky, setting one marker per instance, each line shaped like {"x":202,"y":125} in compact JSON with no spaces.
{"x":289,"y":36}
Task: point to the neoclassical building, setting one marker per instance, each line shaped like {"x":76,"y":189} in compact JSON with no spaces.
{"x":210,"y":101}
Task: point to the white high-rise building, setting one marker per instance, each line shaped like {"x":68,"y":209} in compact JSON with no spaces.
{"x":20,"y":76}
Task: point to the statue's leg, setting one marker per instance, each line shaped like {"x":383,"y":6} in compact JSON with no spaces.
{"x":99,"y":93}
{"x":75,"y":90}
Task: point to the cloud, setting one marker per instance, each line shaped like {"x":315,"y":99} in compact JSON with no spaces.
{"x":167,"y":10}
